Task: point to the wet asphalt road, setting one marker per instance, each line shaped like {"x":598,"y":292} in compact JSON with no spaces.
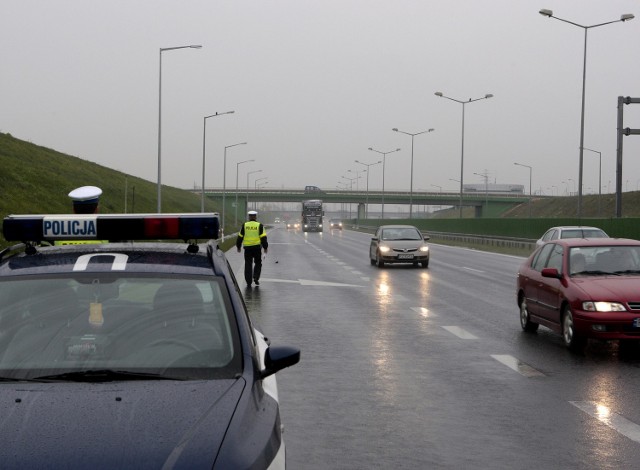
{"x":407,"y":367}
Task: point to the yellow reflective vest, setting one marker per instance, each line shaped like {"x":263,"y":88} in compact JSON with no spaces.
{"x":251,"y":233}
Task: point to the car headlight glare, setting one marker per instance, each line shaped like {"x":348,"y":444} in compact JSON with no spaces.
{"x":384,"y":249}
{"x":603,"y":307}
{"x":424,"y":248}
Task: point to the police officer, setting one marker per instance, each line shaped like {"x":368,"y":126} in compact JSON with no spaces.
{"x":85,"y":199}
{"x":254,"y":237}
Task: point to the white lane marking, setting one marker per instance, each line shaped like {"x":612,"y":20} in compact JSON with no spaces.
{"x":459,"y":332}
{"x":341,"y":263}
{"x":308,"y":282}
{"x":474,"y":270}
{"x":422,"y":311}
{"x":517,"y":365}
{"x":613,"y":420}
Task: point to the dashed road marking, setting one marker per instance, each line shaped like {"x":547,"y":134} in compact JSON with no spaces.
{"x":459,"y":332}
{"x":517,"y":365}
{"x":613,"y":420}
{"x":309,"y":282}
{"x":474,"y":270}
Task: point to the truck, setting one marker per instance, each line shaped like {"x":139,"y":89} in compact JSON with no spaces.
{"x":312,"y":213}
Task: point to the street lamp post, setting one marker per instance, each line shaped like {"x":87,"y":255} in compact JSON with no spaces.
{"x":163,"y":49}
{"x":204,"y":143}
{"x":357,"y":178}
{"x":237,"y":170}
{"x":599,"y":177}
{"x":530,"y":178}
{"x":384,"y":156}
{"x":350,"y":180}
{"x":623,"y":18}
{"x":411,"y":182}
{"x":366,"y":208}
{"x":224,"y":183}
{"x":255,"y":183}
{"x":485,"y":97}
{"x":249,"y":173}
{"x":486,"y":187}
{"x":256,"y":186}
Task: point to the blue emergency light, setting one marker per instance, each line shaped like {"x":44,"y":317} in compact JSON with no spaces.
{"x":58,"y":227}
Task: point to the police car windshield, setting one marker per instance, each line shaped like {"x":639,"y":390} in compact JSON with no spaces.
{"x":143,"y":327}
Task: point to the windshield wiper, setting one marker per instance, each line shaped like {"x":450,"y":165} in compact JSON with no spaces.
{"x":105,"y":375}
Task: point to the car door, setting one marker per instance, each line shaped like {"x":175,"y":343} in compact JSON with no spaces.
{"x":531,"y":279}
{"x":550,"y":289}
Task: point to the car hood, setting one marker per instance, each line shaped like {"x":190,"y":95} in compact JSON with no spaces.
{"x":400,"y":244}
{"x":619,"y":288}
{"x":147,"y":424}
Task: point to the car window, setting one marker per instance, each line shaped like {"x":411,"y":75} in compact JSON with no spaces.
{"x":408,"y":234}
{"x":555,"y":257}
{"x":548,"y":235}
{"x":594,"y":233}
{"x":145,"y":323}
{"x":571,"y":233}
{"x":540,"y":260}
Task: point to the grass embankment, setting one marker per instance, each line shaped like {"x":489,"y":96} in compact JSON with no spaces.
{"x":36,"y":180}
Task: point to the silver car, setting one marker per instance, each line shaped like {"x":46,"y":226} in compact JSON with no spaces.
{"x":571,"y":231}
{"x":399,"y":244}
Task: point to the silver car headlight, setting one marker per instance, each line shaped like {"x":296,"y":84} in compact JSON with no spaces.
{"x":424,"y":249}
{"x":384,"y":249}
{"x":603,"y":307}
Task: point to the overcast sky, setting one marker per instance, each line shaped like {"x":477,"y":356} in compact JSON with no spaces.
{"x":314,"y":84}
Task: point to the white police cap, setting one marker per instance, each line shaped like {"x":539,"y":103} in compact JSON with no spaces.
{"x":252,"y":212}
{"x":85,"y":195}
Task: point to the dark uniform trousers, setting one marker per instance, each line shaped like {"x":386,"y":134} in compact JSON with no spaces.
{"x":252,"y":263}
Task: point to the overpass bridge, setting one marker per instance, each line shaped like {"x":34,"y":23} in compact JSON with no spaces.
{"x":485,"y":204}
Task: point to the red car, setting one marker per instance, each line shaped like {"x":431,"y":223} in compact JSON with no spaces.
{"x":582,"y":288}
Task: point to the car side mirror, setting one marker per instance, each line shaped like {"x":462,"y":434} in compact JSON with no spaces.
{"x":374,"y":239}
{"x":279,"y":357}
{"x":427,"y":237}
{"x":551,"y":272}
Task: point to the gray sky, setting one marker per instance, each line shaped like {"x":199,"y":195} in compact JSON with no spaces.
{"x":314,"y":84}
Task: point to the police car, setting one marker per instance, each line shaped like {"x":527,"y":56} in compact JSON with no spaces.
{"x":131,"y":354}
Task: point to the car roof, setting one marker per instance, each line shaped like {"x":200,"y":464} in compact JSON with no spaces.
{"x":571,"y":227}
{"x":398,"y":226}
{"x":589,"y":242}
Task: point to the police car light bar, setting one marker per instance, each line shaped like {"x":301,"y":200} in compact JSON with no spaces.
{"x":35,"y":228}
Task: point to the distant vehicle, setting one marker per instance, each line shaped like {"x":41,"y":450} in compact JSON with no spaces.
{"x":335,"y":224}
{"x":571,"y":231}
{"x":293,"y":225}
{"x":312,"y":213}
{"x":277,"y":221}
{"x":399,"y":244}
{"x":312,"y":189}
{"x":582,"y":288}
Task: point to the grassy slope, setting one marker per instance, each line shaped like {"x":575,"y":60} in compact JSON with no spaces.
{"x":36,"y":180}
